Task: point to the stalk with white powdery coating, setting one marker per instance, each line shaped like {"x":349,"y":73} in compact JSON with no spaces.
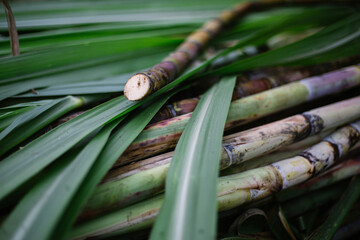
{"x":235,"y":190}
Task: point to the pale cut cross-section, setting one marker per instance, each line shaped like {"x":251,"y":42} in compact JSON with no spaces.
{"x":137,"y":87}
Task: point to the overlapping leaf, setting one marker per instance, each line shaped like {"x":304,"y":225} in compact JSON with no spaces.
{"x":189,"y":210}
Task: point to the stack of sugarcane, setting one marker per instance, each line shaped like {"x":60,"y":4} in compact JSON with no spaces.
{"x":246,"y":128}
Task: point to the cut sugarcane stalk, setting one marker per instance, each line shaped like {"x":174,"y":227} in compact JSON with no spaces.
{"x":142,"y":84}
{"x":235,"y":190}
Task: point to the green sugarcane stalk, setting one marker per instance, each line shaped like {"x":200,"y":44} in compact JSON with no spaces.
{"x":163,"y":136}
{"x":257,"y":81}
{"x":235,"y":190}
{"x":138,"y":184}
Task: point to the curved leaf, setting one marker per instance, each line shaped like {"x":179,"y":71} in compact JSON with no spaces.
{"x":189,"y":210}
{"x":30,"y":160}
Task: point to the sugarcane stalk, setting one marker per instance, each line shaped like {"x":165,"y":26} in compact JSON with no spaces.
{"x":176,"y":109}
{"x":138,"y":184}
{"x":235,"y":190}
{"x":163,"y":136}
{"x":337,"y":173}
{"x":258,"y":141}
{"x":282,"y":153}
{"x":143,"y":84}
{"x":257,"y":81}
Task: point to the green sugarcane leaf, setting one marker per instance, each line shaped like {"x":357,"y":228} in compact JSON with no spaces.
{"x":59,"y":41}
{"x":8,"y":117}
{"x":38,"y":212}
{"x":30,"y":115}
{"x":106,"y":86}
{"x":10,"y":113}
{"x":101,"y":69}
{"x":34,"y":120}
{"x":312,"y":200}
{"x":68,"y":14}
{"x":310,"y":17}
{"x":30,"y":160}
{"x":23,"y":105}
{"x":337,"y":214}
{"x":70,"y":36}
{"x":189,"y":210}
{"x":67,"y":55}
{"x":116,"y":145}
{"x":304,"y":18}
{"x":332,"y":42}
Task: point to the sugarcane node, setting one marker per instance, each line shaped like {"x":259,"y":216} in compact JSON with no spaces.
{"x":227,"y":16}
{"x":315,"y":121}
{"x":354,"y":135}
{"x":170,"y":68}
{"x":214,"y":26}
{"x":336,"y":148}
{"x":137,"y":87}
{"x":209,"y":31}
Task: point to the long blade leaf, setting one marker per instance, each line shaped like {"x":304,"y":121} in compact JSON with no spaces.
{"x":38,"y":212}
{"x":189,"y":210}
{"x":334,"y":37}
{"x":30,"y":160}
{"x":32,"y":121}
{"x":328,"y":229}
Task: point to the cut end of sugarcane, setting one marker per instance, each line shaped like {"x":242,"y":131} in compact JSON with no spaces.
{"x":137,"y":87}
